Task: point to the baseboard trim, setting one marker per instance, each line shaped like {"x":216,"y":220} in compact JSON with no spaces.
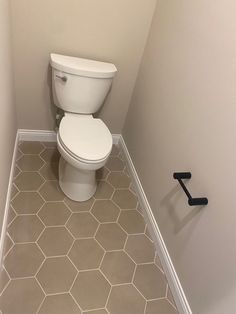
{"x":8,"y":199}
{"x":173,"y":280}
{"x":48,"y":136}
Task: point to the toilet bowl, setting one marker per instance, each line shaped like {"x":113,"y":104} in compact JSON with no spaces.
{"x":85,"y":144}
{"x":80,"y":87}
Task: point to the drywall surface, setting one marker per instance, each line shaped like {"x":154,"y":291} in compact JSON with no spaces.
{"x":183,"y":118}
{"x":7,"y":105}
{"x":106,"y":30}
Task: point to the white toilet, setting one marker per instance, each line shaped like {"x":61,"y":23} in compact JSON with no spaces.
{"x":80,"y":87}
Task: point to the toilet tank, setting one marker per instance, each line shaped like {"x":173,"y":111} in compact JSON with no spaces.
{"x":80,"y":85}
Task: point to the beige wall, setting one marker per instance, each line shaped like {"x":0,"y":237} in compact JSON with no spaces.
{"x":7,"y":116}
{"x":183,"y":118}
{"x":105,"y":30}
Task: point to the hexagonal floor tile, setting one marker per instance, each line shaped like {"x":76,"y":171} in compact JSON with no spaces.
{"x":82,"y":225}
{"x":28,"y":257}
{"x":104,"y":190}
{"x":25,"y":228}
{"x":125,"y":299}
{"x":14,"y":191}
{"x":115,"y":150}
{"x":16,"y":171}
{"x":55,"y":241}
{"x":59,"y":304}
{"x":102,"y":311}
{"x":76,"y":207}
{"x":11,"y":215}
{"x":102,"y":173}
{"x":50,"y":154}
{"x":160,"y":306}
{"x":50,"y":171}
{"x":131,"y":221}
{"x":105,"y":211}
{"x":125,"y":199}
{"x":86,"y":254}
{"x":119,"y":180}
{"x":111,"y":236}
{"x":140,"y":248}
{"x":30,"y":163}
{"x":51,"y":191}
{"x":56,"y":275}
{"x":118,"y":267}
{"x":115,"y":164}
{"x":8,"y":244}
{"x":27,"y":203}
{"x":91,"y":290}
{"x":31,"y":147}
{"x":150,"y":281}
{"x":4,"y":279}
{"x":27,"y":296}
{"x":54,"y":214}
{"x":29,"y":181}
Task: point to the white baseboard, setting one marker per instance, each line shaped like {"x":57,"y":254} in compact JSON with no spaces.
{"x":8,"y":199}
{"x":48,"y":136}
{"x":168,"y":267}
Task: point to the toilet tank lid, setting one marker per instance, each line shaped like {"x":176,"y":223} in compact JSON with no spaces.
{"x":82,"y":67}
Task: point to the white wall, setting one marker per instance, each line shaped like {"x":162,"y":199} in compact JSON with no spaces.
{"x":183,"y":118}
{"x":7,"y":116}
{"x":106,"y":30}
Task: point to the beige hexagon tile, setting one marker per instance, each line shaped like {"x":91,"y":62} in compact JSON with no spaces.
{"x":150,"y":281}
{"x":170,"y":296}
{"x":115,"y":150}
{"x":140,"y":249}
{"x":4,"y":279}
{"x":104,"y":190}
{"x":8,"y":244}
{"x":102,"y":173}
{"x":118,"y":267}
{"x":160,"y":306}
{"x":131,"y":221}
{"x":50,"y":171}
{"x":27,"y":203}
{"x":27,"y":296}
{"x":28,"y":257}
{"x":119,"y":180}
{"x":125,"y":299}
{"x":82,"y":225}
{"x":30,"y":163}
{"x":105,"y":211}
{"x":28,"y":181}
{"x":111,"y":236}
{"x":91,"y":290}
{"x":11,"y":215}
{"x":56,"y":275}
{"x":49,"y":144}
{"x":16,"y":171}
{"x":115,"y":164}
{"x":51,"y":191}
{"x":25,"y":228}
{"x":125,"y":199}
{"x":50,"y":155}
{"x":18,"y":154}
{"x":86,"y":254}
{"x":79,"y":206}
{"x":54,"y":213}
{"x":31,"y":147}
{"x":55,"y":241}
{"x":14,"y":191}
{"x":102,"y":311}
{"x":59,"y":304}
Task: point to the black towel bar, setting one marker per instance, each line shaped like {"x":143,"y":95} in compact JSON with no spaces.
{"x":191,"y":200}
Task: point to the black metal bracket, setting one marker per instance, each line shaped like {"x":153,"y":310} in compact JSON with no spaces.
{"x":191,"y":201}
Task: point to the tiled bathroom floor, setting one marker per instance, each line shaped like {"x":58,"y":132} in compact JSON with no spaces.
{"x":65,"y":257}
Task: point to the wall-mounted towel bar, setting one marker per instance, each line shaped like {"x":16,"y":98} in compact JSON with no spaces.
{"x":191,"y":200}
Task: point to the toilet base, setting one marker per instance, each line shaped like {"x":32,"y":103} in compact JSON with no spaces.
{"x":77,"y":184}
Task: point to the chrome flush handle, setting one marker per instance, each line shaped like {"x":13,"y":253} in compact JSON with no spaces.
{"x":63,"y":78}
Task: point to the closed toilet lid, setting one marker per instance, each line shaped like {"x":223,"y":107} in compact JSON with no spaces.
{"x":85,"y":137}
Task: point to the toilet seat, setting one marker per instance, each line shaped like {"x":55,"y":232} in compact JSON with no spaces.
{"x":85,"y":138}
